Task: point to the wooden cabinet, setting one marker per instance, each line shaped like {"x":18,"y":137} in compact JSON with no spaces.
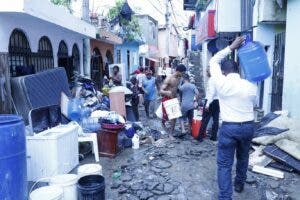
{"x":108,"y":142}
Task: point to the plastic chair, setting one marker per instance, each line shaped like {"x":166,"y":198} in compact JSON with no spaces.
{"x":90,"y":137}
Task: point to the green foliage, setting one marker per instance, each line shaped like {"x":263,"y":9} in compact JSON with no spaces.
{"x":132,"y":29}
{"x":66,"y":3}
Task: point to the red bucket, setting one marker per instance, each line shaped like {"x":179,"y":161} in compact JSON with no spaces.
{"x":196,"y":124}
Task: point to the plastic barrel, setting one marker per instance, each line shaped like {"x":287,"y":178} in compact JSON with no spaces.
{"x":254,"y":61}
{"x":91,"y":187}
{"x":13,"y":171}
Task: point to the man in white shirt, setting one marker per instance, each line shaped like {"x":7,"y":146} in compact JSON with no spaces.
{"x":237,"y":98}
{"x":211,"y":109}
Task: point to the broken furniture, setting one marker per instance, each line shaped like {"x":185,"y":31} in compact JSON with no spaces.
{"x":108,"y":142}
{"x":92,"y":138}
{"x":39,"y":90}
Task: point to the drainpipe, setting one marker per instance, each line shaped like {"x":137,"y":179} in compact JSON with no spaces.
{"x":86,"y":41}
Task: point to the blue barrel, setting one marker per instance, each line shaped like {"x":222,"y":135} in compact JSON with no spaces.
{"x":13,"y":170}
{"x":254,"y":61}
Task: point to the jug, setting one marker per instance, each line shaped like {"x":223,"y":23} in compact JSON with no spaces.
{"x":136,"y":142}
{"x":254,"y":61}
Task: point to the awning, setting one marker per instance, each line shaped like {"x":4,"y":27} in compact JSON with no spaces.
{"x":153,"y":59}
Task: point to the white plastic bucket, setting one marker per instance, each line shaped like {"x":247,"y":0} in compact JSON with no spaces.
{"x":173,"y":109}
{"x":68,"y":183}
{"x":89,"y":169}
{"x":47,"y":193}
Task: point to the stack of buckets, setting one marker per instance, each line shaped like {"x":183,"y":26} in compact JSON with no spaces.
{"x":87,"y":184}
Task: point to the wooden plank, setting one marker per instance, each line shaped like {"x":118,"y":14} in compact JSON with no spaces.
{"x":268,"y":171}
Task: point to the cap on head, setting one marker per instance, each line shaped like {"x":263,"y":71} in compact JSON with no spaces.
{"x":181,"y":68}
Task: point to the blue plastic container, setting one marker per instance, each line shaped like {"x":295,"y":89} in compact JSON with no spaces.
{"x":254,"y":61}
{"x":13,"y":170}
{"x":74,"y":109}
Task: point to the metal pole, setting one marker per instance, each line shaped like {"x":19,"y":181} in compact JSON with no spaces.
{"x":167,"y":15}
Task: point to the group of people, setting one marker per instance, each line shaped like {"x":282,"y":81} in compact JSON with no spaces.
{"x":227,"y":94}
{"x":234,"y":98}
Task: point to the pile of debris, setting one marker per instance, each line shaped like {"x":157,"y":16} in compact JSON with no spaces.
{"x":277,"y":147}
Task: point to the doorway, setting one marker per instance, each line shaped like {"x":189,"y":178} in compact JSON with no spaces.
{"x":97,"y":68}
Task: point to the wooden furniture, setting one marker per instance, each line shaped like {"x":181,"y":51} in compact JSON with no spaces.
{"x":108,"y":142}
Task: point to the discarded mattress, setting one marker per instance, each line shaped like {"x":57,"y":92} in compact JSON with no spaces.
{"x":281,"y":156}
{"x":39,"y":90}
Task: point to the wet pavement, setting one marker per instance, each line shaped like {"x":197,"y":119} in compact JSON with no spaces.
{"x":183,"y":169}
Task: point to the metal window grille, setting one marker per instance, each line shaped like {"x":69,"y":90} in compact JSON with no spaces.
{"x":76,"y":57}
{"x":44,"y":58}
{"x":247,"y":14}
{"x":19,"y":51}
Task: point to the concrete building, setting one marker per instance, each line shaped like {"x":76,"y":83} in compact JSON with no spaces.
{"x":39,"y":35}
{"x":127,"y":53}
{"x":148,"y":51}
{"x":168,"y":44}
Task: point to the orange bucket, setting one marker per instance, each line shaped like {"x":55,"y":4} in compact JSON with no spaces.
{"x":196,"y":124}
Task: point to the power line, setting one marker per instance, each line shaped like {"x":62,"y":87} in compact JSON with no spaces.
{"x":161,"y":12}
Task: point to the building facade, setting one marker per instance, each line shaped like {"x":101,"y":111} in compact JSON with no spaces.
{"x":31,"y":41}
{"x":148,"y":51}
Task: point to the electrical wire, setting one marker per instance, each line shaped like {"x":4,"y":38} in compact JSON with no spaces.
{"x":161,"y":12}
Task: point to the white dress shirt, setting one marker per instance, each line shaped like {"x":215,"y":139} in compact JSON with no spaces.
{"x":237,"y":96}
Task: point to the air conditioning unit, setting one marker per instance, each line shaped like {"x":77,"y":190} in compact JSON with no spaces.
{"x":272,"y":11}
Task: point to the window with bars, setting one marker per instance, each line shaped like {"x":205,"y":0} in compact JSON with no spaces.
{"x":19,"y":54}
{"x":62,"y":50}
{"x":44,"y":58}
{"x":118,"y":56}
{"x":76,"y":58}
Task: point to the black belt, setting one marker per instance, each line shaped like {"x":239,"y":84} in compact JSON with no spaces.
{"x":237,"y":123}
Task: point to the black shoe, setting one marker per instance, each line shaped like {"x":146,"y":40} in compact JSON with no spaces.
{"x":238,"y":188}
{"x":199,"y":139}
{"x":213,"y":138}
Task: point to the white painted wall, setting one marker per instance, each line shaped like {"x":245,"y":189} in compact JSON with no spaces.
{"x":265,"y":34}
{"x":34,"y":29}
{"x":291,"y":87}
{"x":228,"y":16}
{"x":47,"y":11}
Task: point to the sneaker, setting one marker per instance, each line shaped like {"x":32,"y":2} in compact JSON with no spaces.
{"x":213,"y":138}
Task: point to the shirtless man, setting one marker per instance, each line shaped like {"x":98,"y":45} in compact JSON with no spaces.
{"x":168,"y":91}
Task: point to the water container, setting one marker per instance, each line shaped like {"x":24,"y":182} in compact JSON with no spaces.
{"x":68,"y":183}
{"x":47,"y":193}
{"x":254,"y":61}
{"x":91,"y":187}
{"x":74,"y":109}
{"x":136,"y":142}
{"x":13,"y":171}
{"x":90,"y":124}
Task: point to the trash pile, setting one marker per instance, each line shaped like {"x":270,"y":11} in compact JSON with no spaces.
{"x":277,"y":145}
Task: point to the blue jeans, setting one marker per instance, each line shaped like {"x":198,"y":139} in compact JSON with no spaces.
{"x":233,"y":138}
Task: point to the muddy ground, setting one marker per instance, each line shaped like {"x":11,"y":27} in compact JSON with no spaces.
{"x":180,"y":170}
